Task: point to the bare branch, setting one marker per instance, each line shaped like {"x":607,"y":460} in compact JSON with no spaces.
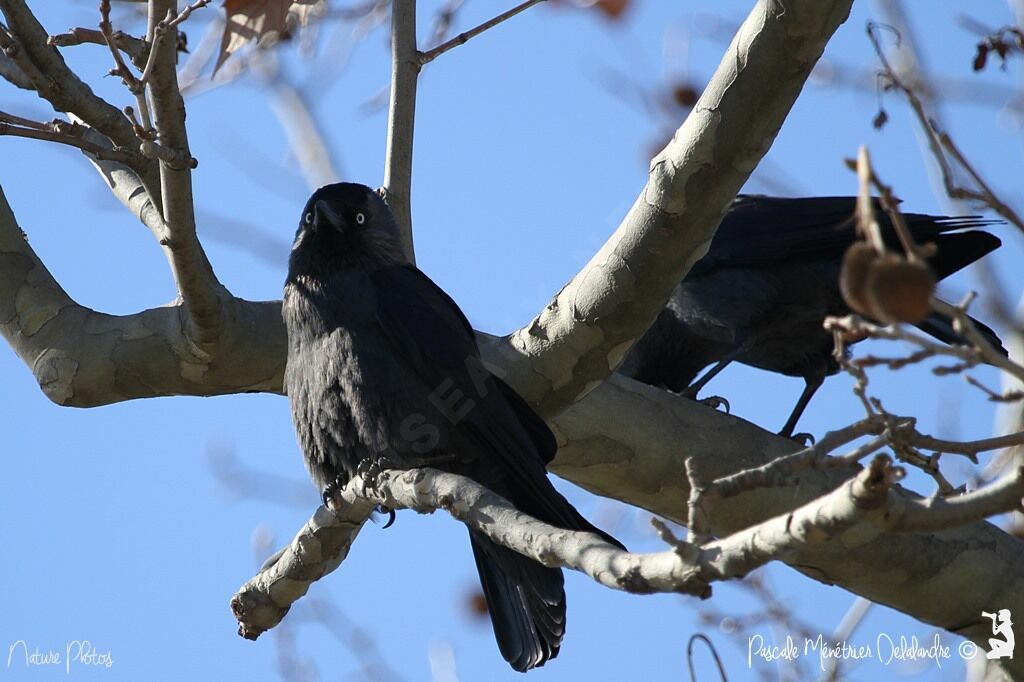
{"x":202,"y":294}
{"x":971,"y":355}
{"x":780,"y":471}
{"x":405,"y":69}
{"x":13,"y":74}
{"x":56,"y":83}
{"x":184,"y":15}
{"x":136,"y":48}
{"x":61,"y":132}
{"x":583,"y":334}
{"x":942,"y":146}
{"x":463,"y":38}
{"x":303,"y":130}
{"x":82,"y":357}
{"x":685,"y":568}
{"x":937,"y":513}
{"x":318,"y":548}
{"x":963,"y":324}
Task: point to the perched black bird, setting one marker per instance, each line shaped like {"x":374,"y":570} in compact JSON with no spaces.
{"x":769,"y":279}
{"x":384,"y":371}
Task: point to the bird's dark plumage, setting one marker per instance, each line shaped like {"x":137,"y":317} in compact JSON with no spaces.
{"x":769,"y":279}
{"x":382,"y":365}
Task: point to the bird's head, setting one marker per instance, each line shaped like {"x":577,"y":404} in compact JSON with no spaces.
{"x":345,"y":225}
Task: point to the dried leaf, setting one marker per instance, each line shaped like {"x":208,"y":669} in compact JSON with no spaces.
{"x":981,"y":57}
{"x":685,"y":95}
{"x":264,"y":22}
{"x":476,"y":604}
{"x":880,"y":119}
{"x":613,"y":9}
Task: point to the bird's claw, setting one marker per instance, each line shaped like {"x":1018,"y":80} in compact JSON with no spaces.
{"x":803,"y":438}
{"x":330,"y":491}
{"x":714,"y":402}
{"x":381,"y":509}
{"x":369,"y":470}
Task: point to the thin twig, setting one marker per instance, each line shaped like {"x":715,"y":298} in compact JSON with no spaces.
{"x":136,"y":48}
{"x":964,"y":326}
{"x":59,"y":132}
{"x":462,"y":38}
{"x":185,"y":14}
{"x":134,"y":85}
{"x":866,"y":220}
{"x":942,"y":144}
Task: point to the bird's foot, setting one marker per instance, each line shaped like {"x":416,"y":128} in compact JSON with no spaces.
{"x":714,"y":402}
{"x":369,"y":470}
{"x":803,"y":438}
{"x":330,"y":492}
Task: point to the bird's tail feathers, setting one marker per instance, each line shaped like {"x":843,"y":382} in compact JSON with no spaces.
{"x":941,"y":327}
{"x":526,"y":601}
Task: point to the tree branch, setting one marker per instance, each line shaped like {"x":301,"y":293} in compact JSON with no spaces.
{"x":202,"y":294}
{"x":686,"y":568}
{"x":83,"y":358}
{"x":318,"y":548}
{"x":13,"y":74}
{"x":942,"y":147}
{"x":584,"y":332}
{"x":57,"y":84}
{"x":405,"y":69}
{"x":60,"y":132}
{"x":463,"y":38}
{"x":136,"y":48}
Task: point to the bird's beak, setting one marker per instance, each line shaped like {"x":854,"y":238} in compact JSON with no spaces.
{"x":325,"y":214}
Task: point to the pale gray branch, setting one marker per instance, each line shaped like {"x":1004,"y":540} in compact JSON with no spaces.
{"x":203,"y":296}
{"x":318,"y":548}
{"x":405,"y":70}
{"x":85,"y":358}
{"x":305,"y":137}
{"x":583,"y":334}
{"x":322,"y":544}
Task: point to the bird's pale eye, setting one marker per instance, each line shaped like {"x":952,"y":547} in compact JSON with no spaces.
{"x":308,"y":218}
{"x":360,"y":218}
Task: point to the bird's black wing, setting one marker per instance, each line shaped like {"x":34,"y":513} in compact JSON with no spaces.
{"x":434,"y":339}
{"x":758,"y":230}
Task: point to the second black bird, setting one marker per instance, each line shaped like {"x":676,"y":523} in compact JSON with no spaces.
{"x":384,"y":371}
{"x":770,"y":277}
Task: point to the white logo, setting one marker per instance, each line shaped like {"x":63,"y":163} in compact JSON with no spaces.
{"x":1002,"y":626}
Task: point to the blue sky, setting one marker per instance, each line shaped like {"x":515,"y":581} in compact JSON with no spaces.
{"x":530,"y":147}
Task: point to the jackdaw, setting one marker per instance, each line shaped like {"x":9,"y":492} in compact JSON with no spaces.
{"x":384,"y":373}
{"x":770,"y":277}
